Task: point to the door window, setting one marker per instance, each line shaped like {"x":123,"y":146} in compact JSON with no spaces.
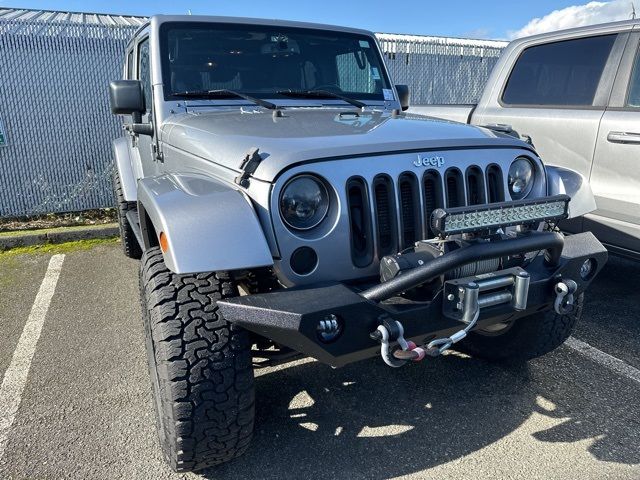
{"x":559,"y":73}
{"x":144,"y":72}
{"x":633,"y":99}
{"x":130,"y":64}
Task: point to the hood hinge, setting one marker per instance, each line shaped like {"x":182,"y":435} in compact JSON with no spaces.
{"x":248,"y":166}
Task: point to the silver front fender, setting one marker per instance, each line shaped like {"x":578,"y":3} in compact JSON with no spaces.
{"x":122,"y":159}
{"x":563,"y":181}
{"x":210,"y":226}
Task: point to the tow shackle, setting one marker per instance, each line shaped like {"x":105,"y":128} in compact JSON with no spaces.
{"x":564,"y":290}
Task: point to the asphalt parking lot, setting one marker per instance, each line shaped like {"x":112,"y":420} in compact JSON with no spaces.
{"x":84,"y":410}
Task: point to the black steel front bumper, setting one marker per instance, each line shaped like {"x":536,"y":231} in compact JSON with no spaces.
{"x":292,"y":317}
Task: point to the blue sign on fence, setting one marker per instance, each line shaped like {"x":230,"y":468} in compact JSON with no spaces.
{"x":3,"y":136}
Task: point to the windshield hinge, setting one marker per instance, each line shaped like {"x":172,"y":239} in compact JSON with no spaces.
{"x":248,"y":166}
{"x":157,"y":153}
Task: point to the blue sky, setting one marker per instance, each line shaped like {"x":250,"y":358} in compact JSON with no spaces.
{"x":497,"y":19}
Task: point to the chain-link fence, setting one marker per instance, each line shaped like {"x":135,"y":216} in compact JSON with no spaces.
{"x":54,"y":109}
{"x":57,"y":128}
{"x":440,"y":70}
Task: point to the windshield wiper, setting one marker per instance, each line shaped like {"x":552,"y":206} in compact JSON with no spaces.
{"x":321,"y":94}
{"x":224,"y":93}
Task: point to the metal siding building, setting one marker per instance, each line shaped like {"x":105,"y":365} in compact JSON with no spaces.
{"x":54,"y":112}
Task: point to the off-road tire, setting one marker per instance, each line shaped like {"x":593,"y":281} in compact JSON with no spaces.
{"x":527,"y":338}
{"x":130,"y":243}
{"x":200,"y":366}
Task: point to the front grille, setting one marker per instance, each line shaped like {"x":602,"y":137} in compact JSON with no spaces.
{"x":400,"y":209}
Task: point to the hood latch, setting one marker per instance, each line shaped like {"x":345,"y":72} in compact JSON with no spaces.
{"x":248,"y":166}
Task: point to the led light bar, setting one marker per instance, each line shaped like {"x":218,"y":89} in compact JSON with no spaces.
{"x":490,"y":216}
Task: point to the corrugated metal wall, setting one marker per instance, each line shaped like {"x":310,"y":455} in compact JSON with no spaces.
{"x":55,"y":112}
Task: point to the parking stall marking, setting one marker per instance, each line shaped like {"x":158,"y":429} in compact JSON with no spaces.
{"x":604,"y":359}
{"x":15,"y":377}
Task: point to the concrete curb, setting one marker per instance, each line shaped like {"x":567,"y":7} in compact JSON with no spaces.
{"x":28,"y":238}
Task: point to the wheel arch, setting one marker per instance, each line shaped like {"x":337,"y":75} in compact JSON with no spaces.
{"x":564,"y":181}
{"x":147,"y":229}
{"x":209,"y":226}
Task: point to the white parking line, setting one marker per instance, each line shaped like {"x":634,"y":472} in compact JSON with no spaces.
{"x":603,"y":358}
{"x":15,"y":378}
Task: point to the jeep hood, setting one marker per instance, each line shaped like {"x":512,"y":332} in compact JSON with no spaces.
{"x":303,"y":134}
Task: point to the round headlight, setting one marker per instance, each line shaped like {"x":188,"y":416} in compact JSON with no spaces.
{"x":521,"y":175}
{"x":304,"y":202}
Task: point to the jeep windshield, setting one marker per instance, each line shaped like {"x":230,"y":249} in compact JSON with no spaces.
{"x":270,"y":62}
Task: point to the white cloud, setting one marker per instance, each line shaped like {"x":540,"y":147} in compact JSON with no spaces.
{"x":577,"y":16}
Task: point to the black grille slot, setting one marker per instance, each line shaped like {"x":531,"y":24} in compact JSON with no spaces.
{"x":475,"y":186}
{"x":409,"y":198}
{"x":360,"y":222}
{"x":495,"y":186}
{"x":385,"y":215}
{"x":455,"y":188}
{"x":433,"y":197}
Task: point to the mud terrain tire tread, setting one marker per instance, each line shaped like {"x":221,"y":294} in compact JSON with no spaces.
{"x":130,"y":244}
{"x":200,"y":366}
{"x":528,"y":338}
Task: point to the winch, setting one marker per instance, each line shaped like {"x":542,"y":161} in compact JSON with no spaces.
{"x":423,"y":252}
{"x":463,"y":300}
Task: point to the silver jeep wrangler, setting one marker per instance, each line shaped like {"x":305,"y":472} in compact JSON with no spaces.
{"x":283,"y":204}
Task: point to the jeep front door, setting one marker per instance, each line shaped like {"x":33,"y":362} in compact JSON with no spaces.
{"x":145,"y":143}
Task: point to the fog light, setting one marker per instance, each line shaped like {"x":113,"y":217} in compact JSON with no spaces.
{"x":304,"y":260}
{"x":587,"y":268}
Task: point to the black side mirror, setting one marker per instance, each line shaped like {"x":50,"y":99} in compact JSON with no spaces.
{"x":126,"y":97}
{"x":403,"y":96}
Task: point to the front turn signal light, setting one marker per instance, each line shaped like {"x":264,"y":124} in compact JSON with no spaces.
{"x":164,"y":242}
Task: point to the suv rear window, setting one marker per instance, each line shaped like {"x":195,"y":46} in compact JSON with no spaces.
{"x":560,"y":73}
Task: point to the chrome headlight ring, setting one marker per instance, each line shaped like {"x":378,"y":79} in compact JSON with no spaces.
{"x":521,"y":178}
{"x":304,"y":202}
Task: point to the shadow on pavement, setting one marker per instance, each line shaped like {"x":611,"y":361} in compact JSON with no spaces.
{"x":368,"y":420}
{"x":612,"y":310}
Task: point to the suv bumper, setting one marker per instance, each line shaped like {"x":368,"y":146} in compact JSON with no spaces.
{"x":296,"y":318}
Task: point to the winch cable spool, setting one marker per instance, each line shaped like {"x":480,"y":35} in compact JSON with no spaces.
{"x":475,"y":268}
{"x":423,"y":252}
{"x":550,"y":241}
